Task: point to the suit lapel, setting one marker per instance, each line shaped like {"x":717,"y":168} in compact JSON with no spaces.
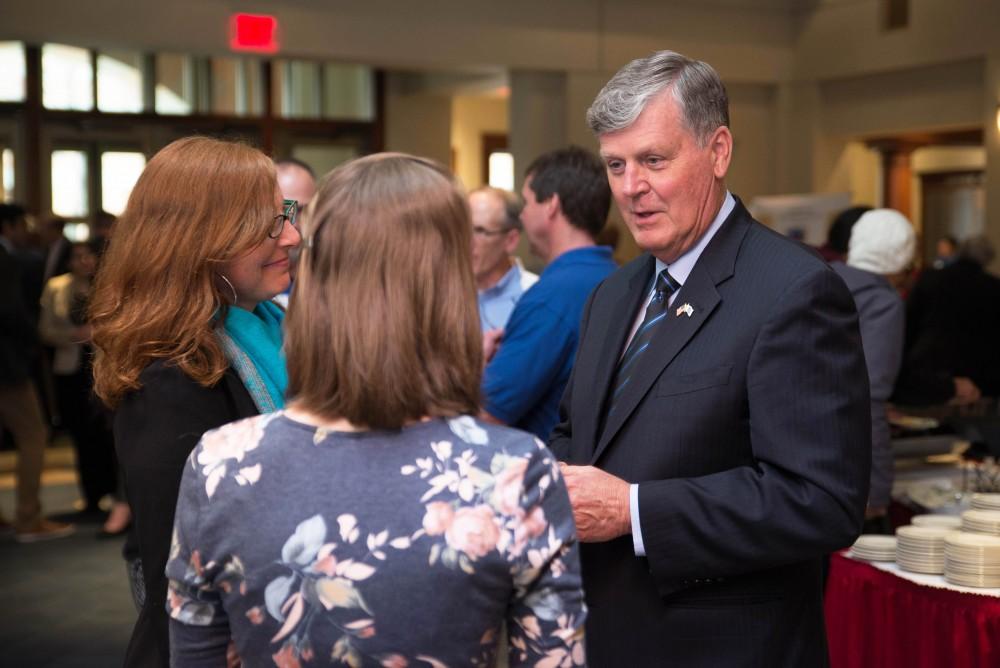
{"x":610,"y":346}
{"x":715,"y":265}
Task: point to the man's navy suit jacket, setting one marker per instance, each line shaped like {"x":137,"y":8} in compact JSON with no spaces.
{"x":747,"y":428}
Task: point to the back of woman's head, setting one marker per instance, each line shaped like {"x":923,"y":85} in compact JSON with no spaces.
{"x":199,"y":202}
{"x":382,"y":327}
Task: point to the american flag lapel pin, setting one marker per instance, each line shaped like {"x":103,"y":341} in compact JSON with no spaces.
{"x":686,"y":309}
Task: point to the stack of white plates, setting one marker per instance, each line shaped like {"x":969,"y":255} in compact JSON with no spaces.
{"x":986,"y":501}
{"x":940,"y":521}
{"x":981,"y":521}
{"x":972,"y":560}
{"x":921,"y":549}
{"x":873,"y":547}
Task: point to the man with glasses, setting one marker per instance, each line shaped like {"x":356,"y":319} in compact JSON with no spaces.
{"x":297,"y":182}
{"x":566,"y":202}
{"x":500,"y":277}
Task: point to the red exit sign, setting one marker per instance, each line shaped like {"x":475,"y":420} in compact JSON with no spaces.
{"x":253,"y":32}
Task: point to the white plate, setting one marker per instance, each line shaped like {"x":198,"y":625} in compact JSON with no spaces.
{"x":943,"y":521}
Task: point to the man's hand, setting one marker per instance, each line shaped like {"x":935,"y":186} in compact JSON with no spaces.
{"x":491,"y":343}
{"x":600,"y":503}
{"x":966,"y":392}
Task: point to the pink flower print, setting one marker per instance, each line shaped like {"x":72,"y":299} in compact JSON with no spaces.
{"x":438,"y":518}
{"x":533,"y":525}
{"x":286,"y":657}
{"x":473,"y":531}
{"x":508,"y":486}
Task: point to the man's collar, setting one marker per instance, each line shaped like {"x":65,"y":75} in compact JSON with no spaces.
{"x":513,"y":275}
{"x":681,"y":268}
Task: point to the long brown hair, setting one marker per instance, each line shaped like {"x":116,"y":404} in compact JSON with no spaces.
{"x":199,"y":203}
{"x":382,"y":328}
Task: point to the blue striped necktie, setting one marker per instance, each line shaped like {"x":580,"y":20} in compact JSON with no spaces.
{"x":656,"y":313}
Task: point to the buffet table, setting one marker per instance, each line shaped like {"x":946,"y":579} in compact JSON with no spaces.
{"x":876,"y":617}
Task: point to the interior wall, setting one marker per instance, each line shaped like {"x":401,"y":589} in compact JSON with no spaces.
{"x":471,"y":117}
{"x":417,"y":123}
{"x":753,"y":171}
{"x":843,"y":38}
{"x":939,"y":96}
{"x":850,"y":166}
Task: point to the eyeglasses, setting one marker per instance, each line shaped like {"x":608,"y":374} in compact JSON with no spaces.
{"x":290,"y":210}
{"x":486,"y":232}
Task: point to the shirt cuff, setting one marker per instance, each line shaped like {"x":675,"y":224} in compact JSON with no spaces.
{"x":633,"y":508}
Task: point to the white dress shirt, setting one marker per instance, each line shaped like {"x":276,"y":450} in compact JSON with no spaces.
{"x":679,"y":270}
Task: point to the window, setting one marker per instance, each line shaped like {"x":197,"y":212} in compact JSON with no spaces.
{"x":175,"y":89}
{"x":12,"y":67}
{"x":237,"y":87}
{"x":67,"y":78}
{"x":119,"y":172}
{"x":324,"y":157}
{"x":297,"y":89}
{"x":119,"y":81}
{"x":69,"y":184}
{"x":348,"y":92}
{"x":501,"y":170}
{"x":7,"y":173}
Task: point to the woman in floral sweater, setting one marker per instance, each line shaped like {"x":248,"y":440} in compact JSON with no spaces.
{"x":373,"y":522}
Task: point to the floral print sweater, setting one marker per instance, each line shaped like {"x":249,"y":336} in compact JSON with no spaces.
{"x":405,"y":548}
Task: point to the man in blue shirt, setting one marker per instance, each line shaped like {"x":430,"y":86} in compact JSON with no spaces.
{"x":500,"y":278}
{"x":567,"y":198}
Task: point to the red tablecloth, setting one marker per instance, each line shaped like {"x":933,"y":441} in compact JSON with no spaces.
{"x":875,"y":619}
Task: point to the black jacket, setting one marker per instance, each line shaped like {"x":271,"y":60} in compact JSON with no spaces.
{"x":156,"y":428}
{"x":18,"y":337}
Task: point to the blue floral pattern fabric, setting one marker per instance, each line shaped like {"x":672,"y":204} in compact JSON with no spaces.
{"x":408,"y":548}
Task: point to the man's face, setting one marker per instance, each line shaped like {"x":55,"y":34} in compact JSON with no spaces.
{"x":534,"y":217}
{"x":297,"y":184}
{"x":17,"y":233}
{"x":491,"y":243}
{"x":667,"y":187}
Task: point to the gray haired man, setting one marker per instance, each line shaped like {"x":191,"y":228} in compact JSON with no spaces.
{"x":715,"y":431}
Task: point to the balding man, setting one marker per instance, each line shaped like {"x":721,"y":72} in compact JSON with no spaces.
{"x":500,"y":277}
{"x":297,"y":181}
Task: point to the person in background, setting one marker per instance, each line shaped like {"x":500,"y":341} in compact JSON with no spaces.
{"x":16,"y":240}
{"x":63,"y":325}
{"x":56,"y":246}
{"x":186,"y":336}
{"x":952,"y":320}
{"x":501,"y":279}
{"x":946,"y":250}
{"x":838,"y":236}
{"x":566,"y":199}
{"x":375,"y":522}
{"x":879,"y":255}
{"x":297,"y":181}
{"x":20,"y":408}
{"x":715,"y":430}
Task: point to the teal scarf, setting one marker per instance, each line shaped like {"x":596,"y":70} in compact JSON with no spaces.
{"x":252,"y":343}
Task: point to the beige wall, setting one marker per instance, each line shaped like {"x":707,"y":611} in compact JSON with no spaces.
{"x":925,"y":98}
{"x":471,"y":117}
{"x":418,"y":123}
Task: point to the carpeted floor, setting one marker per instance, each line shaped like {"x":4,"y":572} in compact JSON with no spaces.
{"x":65,"y":603}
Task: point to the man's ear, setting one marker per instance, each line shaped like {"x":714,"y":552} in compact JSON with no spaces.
{"x":512,"y":239}
{"x":721,"y":145}
{"x":553,"y":207}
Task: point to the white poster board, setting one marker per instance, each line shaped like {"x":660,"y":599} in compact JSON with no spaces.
{"x":802,"y":217}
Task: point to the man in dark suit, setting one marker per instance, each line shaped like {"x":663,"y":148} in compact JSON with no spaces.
{"x":716,"y":428}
